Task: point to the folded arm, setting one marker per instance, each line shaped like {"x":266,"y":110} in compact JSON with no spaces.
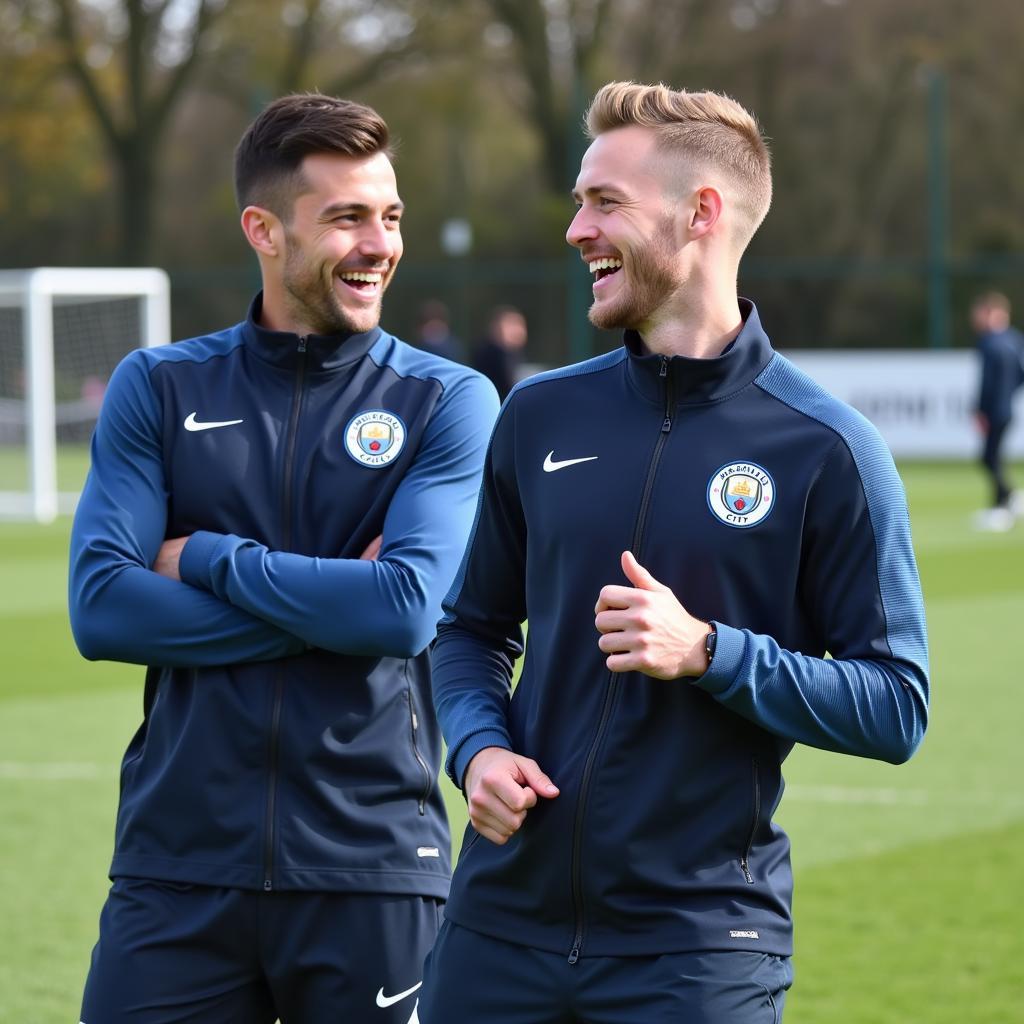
{"x":383,"y":607}
{"x":120,"y":609}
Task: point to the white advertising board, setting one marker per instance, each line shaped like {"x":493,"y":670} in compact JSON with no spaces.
{"x":921,"y":401}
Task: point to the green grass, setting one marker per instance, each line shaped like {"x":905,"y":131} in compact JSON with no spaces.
{"x":906,"y":904}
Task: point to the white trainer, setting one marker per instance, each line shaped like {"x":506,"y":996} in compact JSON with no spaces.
{"x":994,"y":520}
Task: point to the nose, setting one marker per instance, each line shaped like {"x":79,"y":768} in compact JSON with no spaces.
{"x":378,"y":241}
{"x":581,"y":229}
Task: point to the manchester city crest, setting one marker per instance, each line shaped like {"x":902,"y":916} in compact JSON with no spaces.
{"x":741,"y":494}
{"x":375,"y":438}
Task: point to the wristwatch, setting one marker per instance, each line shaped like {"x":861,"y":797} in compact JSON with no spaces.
{"x":709,"y":643}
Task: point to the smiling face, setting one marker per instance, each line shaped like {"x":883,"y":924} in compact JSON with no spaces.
{"x":340,"y":247}
{"x":626,"y":228}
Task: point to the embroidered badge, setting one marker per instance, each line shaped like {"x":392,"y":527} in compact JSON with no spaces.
{"x":375,"y":438}
{"x":741,"y":494}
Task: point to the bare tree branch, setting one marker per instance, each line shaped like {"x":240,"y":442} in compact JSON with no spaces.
{"x":67,"y":30}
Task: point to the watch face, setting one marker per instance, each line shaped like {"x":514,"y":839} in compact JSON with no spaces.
{"x":709,"y":644}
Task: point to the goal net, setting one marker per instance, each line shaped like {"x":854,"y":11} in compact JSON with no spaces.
{"x":62,"y":332}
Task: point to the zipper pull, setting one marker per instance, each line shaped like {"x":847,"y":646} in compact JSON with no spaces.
{"x":302,"y":344}
{"x":575,"y":954}
{"x":667,"y":425}
{"x":663,"y":372}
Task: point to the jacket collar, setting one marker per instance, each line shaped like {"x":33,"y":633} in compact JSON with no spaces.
{"x":694,"y":381}
{"x":323,"y":351}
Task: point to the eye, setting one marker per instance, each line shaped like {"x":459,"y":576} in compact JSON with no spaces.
{"x":345,"y":218}
{"x":604,"y":202}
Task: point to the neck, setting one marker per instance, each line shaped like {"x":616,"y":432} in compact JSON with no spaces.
{"x":276,"y":314}
{"x":698,"y":326}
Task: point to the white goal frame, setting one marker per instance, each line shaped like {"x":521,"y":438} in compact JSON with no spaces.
{"x":36,"y":292}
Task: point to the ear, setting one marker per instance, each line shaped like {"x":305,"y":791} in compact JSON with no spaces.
{"x":706,"y":211}
{"x":263,"y":231}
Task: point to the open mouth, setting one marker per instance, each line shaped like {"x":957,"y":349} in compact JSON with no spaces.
{"x":604,"y":268}
{"x":366,"y":283}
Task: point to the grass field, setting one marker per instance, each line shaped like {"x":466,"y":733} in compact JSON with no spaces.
{"x":907,"y":901}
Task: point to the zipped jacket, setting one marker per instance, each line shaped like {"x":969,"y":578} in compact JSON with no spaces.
{"x":288,"y":740}
{"x":771,"y":510}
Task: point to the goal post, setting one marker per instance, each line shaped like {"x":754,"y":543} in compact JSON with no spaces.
{"x":62,"y":331}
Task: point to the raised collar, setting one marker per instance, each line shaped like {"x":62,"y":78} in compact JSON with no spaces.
{"x":693,"y":381}
{"x":324,"y":352}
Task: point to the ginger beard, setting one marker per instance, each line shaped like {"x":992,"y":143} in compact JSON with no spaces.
{"x":313,"y":294}
{"x":650,"y":275}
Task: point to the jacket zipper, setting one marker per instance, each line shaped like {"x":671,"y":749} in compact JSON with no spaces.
{"x":745,"y":860}
{"x":425,"y":792}
{"x":614,"y":679}
{"x":286,"y":532}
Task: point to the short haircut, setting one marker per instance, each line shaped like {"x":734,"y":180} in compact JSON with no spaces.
{"x":268,"y":159}
{"x":706,"y":127}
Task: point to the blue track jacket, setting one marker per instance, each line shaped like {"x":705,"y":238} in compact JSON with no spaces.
{"x":288,"y":740}
{"x":769,"y":508}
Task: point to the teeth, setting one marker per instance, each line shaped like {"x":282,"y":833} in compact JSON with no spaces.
{"x":605,"y":264}
{"x":358,"y":275}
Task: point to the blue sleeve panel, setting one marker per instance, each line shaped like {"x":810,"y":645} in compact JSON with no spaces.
{"x":389,"y":606}
{"x":120,"y":609}
{"x":871,"y":697}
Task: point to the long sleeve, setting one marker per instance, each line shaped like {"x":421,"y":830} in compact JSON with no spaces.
{"x":120,"y":609}
{"x":480,"y":636}
{"x":860,"y":583}
{"x":386,"y":607}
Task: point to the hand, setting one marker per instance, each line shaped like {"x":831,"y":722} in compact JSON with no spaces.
{"x":981,"y":422}
{"x":645,"y":629}
{"x":168,"y":556}
{"x":372,"y":549}
{"x":500,"y":788}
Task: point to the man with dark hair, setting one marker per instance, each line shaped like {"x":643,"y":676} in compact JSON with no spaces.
{"x":1001,"y":354}
{"x":271,"y":519}
{"x":690,"y":525}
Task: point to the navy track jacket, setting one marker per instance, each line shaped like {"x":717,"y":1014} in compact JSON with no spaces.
{"x":288,"y":741}
{"x":767,"y":507}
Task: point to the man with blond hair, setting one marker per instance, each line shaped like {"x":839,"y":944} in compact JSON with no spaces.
{"x":689,"y":524}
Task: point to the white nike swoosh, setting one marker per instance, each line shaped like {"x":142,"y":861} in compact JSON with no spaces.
{"x":191,"y":423}
{"x":384,"y":1001}
{"x":550,"y":465}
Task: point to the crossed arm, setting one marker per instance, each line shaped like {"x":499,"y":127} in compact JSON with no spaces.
{"x":218,"y":599}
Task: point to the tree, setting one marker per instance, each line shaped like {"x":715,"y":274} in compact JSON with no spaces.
{"x":132,"y":104}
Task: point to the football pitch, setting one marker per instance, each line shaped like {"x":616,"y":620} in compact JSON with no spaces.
{"x":907,"y":902}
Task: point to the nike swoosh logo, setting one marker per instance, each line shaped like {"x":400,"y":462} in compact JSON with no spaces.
{"x":191,"y":423}
{"x":384,"y":1001}
{"x":550,"y":465}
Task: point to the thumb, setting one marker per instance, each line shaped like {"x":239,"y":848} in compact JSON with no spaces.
{"x":637,"y":574}
{"x":536,"y":779}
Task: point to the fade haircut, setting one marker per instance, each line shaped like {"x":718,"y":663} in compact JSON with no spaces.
{"x":707,"y":128}
{"x":268,"y":159}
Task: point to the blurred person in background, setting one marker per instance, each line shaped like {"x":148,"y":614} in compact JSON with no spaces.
{"x":1000,"y":350}
{"x":499,"y":354}
{"x":690,"y":525}
{"x":434,"y":332}
{"x":272,"y":516}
